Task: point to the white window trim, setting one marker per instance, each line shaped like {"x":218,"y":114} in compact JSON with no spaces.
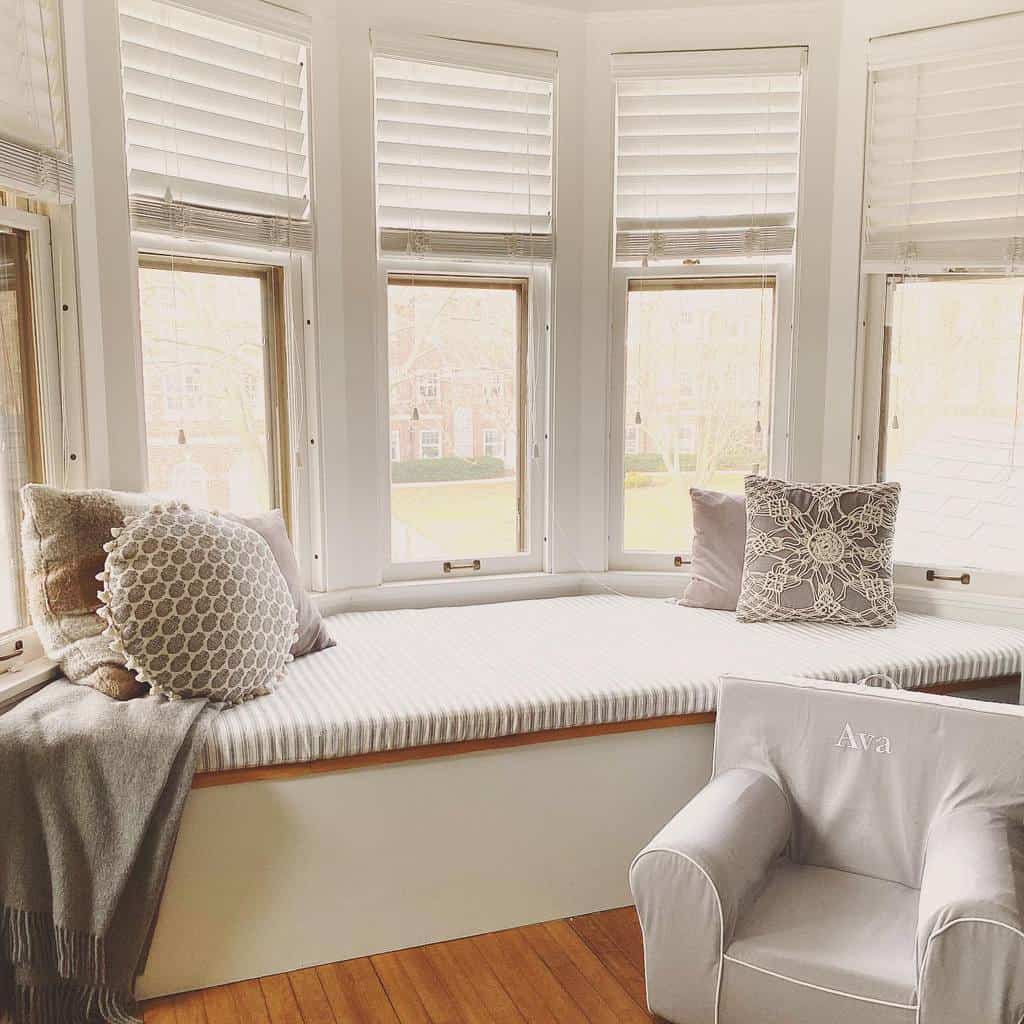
{"x":534,"y":558}
{"x":59,"y":368}
{"x":867,"y":439}
{"x":304,"y":515}
{"x":782,"y":271}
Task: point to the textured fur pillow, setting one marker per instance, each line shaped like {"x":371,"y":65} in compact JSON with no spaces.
{"x":818,"y":553}
{"x":197,"y":605}
{"x":63,"y":533}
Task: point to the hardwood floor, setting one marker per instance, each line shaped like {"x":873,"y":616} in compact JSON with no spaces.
{"x":580,"y":970}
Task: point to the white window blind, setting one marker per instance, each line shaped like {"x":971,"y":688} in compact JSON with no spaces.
{"x":464,"y":149}
{"x":944,"y":166}
{"x":216,"y":127}
{"x":33,"y":130}
{"x":707,"y":154}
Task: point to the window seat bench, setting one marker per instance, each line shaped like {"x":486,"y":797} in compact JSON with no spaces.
{"x":417,"y":681}
{"x":580,"y":725}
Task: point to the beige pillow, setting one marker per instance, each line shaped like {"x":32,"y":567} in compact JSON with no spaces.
{"x":312,"y":633}
{"x":63,"y":533}
{"x":719,"y":534}
{"x":197,"y":604}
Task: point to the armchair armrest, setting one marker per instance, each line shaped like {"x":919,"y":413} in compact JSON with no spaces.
{"x":694,"y":880}
{"x":970,"y":936}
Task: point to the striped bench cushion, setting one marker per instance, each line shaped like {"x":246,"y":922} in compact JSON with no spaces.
{"x":410,"y":678}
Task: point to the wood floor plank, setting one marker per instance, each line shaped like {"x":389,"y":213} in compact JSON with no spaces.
{"x":569,"y":976}
{"x":471,"y":1007}
{"x":309,"y":995}
{"x":621,"y":966}
{"x":356,"y":994}
{"x":189,"y":1009}
{"x":431,"y":987}
{"x":464,"y":955}
{"x":587,"y":970}
{"x":220,"y":1006}
{"x":159,"y":1011}
{"x":252,"y":1006}
{"x":534,"y":988}
{"x":400,"y":990}
{"x":280,"y":999}
{"x":624,"y":927}
{"x":590,"y":965}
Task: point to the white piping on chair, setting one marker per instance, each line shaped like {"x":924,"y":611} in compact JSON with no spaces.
{"x":934,"y":935}
{"x":822,"y":988}
{"x":721,"y":921}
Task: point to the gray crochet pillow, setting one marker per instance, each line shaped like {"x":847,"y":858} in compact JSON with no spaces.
{"x":197,"y":605}
{"x":818,"y":553}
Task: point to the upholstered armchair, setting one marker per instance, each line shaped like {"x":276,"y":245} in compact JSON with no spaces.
{"x":856,"y":858}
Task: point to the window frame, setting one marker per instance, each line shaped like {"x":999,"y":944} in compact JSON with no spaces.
{"x":47,"y":422}
{"x":699,"y":275}
{"x":306,"y":517}
{"x":533,"y":283}
{"x":868,"y":436}
{"x":275,"y":361}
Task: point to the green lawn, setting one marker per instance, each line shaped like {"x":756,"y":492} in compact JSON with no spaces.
{"x":478,"y":518}
{"x":453,"y":520}
{"x":660,"y":517}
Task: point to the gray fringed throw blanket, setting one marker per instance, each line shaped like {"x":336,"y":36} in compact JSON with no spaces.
{"x":91,"y":795}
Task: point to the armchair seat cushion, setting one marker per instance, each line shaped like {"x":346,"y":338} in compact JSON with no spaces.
{"x":850,"y":934}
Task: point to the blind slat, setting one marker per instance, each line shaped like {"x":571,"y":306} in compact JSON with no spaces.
{"x":173,"y":117}
{"x":707,"y":154}
{"x":463,"y":152}
{"x":944,"y":162}
{"x":205,"y":74}
{"x":211,"y":51}
{"x":240,"y":154}
{"x":215,"y":126}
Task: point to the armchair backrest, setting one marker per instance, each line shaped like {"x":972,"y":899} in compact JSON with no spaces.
{"x":868,"y":770}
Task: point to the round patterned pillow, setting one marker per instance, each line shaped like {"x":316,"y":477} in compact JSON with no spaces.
{"x":197,"y":605}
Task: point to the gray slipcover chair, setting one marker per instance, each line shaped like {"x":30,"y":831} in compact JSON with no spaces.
{"x":856,"y":858}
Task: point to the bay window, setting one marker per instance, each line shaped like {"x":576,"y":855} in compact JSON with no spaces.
{"x":707,"y":155}
{"x":942,"y":408}
{"x":464,"y":171}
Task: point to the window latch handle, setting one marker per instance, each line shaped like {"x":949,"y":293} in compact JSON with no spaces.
{"x":931,"y":575}
{"x":473,"y":566}
{"x":17,"y":652}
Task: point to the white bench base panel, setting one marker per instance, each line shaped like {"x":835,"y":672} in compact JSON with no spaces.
{"x":272,"y":876}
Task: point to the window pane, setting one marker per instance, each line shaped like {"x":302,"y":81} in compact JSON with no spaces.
{"x":698,"y":400}
{"x":205,"y":372}
{"x":453,"y":358}
{"x":19,"y":428}
{"x":953,"y":427}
